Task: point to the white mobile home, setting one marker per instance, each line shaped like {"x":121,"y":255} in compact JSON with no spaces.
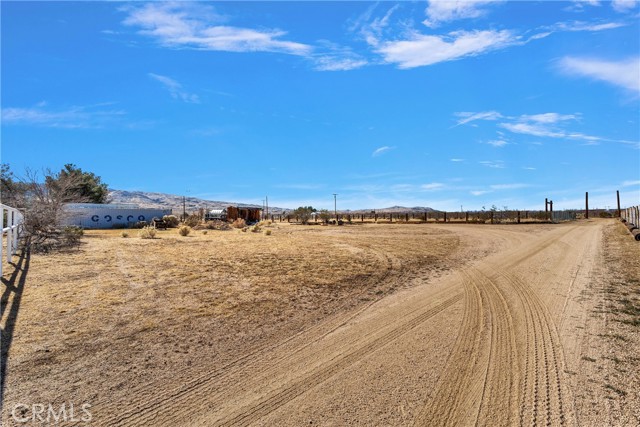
{"x":93,"y":215}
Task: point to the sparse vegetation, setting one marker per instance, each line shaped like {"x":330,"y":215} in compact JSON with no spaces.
{"x":255,"y":229}
{"x":184,"y":230}
{"x":147,"y":232}
{"x":267,"y":232}
{"x":172,"y":221}
{"x":192,"y":220}
{"x":239,"y":223}
{"x":124,"y":234}
{"x":304,"y":213}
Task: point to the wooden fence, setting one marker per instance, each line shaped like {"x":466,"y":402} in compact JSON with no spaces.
{"x":475,"y":217}
{"x":631,"y":215}
{"x":12,"y":227}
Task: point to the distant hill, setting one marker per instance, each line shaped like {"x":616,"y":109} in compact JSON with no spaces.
{"x":173,"y":201}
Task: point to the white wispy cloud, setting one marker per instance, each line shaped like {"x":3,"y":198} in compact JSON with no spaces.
{"x":421,"y":50}
{"x":630,"y":183}
{"x":185,"y":25}
{"x":175,"y":89}
{"x":479,"y":192}
{"x":494,"y":164}
{"x":624,"y":73}
{"x":624,"y":5}
{"x":498,"y":143}
{"x":439,"y":11}
{"x":76,"y":117}
{"x":468,"y":117}
{"x":513,"y":186}
{"x":456,"y":160}
{"x":547,"y":125}
{"x":333,"y":57}
{"x":433,"y":186}
{"x":379,"y":151}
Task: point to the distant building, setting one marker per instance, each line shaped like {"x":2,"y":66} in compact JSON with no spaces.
{"x":249,"y":214}
{"x":93,"y":215}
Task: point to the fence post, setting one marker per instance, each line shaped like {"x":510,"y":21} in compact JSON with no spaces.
{"x":586,"y":205}
{"x":1,"y":237}
{"x":518,"y":217}
{"x":9,"y":235}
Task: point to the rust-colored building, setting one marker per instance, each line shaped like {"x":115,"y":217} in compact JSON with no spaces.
{"x":247,"y":213}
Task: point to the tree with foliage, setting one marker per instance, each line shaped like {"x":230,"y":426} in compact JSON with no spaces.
{"x":324,"y":215}
{"x":42,"y":200}
{"x":304,"y":213}
{"x":78,"y":184}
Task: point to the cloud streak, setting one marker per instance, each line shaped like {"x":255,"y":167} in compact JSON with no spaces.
{"x":76,"y":117}
{"x":422,"y":50}
{"x":439,"y":12}
{"x":380,"y":151}
{"x":175,"y":89}
{"x":624,"y":73}
{"x":193,"y":26}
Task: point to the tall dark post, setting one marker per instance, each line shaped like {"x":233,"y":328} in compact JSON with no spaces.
{"x":184,"y":208}
{"x":618,"y":197}
{"x":586,"y":205}
{"x":546,"y":205}
{"x":551,"y":210}
{"x":335,"y":206}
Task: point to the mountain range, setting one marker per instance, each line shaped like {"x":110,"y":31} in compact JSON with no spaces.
{"x":191,"y":204}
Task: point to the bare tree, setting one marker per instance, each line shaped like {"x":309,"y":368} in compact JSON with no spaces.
{"x":41,"y":197}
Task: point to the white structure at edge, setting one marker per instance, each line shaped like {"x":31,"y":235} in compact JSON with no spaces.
{"x":92,"y":215}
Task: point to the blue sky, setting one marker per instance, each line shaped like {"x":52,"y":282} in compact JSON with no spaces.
{"x":440,"y":104}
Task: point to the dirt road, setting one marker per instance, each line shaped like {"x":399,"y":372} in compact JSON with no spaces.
{"x":496,"y":342}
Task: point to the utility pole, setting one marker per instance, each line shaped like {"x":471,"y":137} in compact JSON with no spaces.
{"x":266,"y":198}
{"x":335,"y":206}
{"x":184,"y":208}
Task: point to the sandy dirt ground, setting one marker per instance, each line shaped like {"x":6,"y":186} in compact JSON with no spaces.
{"x":358,"y":325}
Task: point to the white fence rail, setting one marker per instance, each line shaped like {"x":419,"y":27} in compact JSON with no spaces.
{"x":12,"y":220}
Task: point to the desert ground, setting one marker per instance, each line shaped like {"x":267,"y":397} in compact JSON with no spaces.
{"x":375,"y":324}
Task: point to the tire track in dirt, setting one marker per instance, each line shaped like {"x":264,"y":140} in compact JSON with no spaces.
{"x":500,"y":308}
{"x":196,"y":392}
{"x":264,"y":406}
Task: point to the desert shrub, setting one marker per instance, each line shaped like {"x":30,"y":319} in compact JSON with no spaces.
{"x":239,"y":223}
{"x":217,"y":225}
{"x":192,"y":220}
{"x":265,"y":223}
{"x":184,"y":230}
{"x":147,"y":232}
{"x":141,"y":224}
{"x":71,"y":235}
{"x":171,"y":220}
{"x":204,"y":232}
{"x":244,"y":229}
{"x":125,"y":233}
{"x":267,"y":232}
{"x":255,"y":229}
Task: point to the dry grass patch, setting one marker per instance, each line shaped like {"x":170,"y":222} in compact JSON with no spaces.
{"x":96,"y":322}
